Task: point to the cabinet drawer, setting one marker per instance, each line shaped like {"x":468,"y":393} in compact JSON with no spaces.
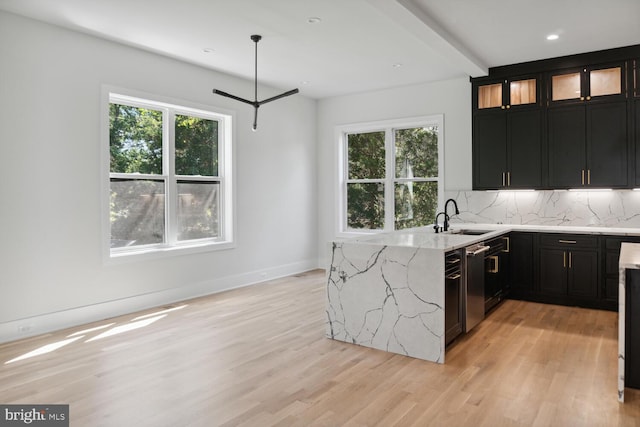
{"x":569,"y":240}
{"x":614,"y":243}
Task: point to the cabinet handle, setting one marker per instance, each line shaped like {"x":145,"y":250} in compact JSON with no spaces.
{"x":582,"y":98}
{"x":564,"y":259}
{"x":582,"y":176}
{"x":508,"y":106}
{"x":572,"y":242}
{"x":508,"y":179}
{"x":507,"y":241}
{"x":502,"y":107}
{"x":495,"y":268}
{"x":588,"y":98}
{"x":503,"y":179}
{"x":570,"y":260}
{"x":589,"y":176}
{"x":453,"y":276}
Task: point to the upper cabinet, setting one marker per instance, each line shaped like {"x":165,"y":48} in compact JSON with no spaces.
{"x":569,"y":122}
{"x":587,"y":130}
{"x":588,"y":83}
{"x":503,"y":94}
{"x":634,"y":82}
{"x":507,"y":134}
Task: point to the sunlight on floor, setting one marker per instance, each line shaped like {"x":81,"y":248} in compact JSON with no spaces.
{"x":126,"y":328}
{"x":136,"y":323}
{"x":44,"y":349}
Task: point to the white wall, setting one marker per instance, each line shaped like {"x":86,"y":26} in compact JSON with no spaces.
{"x":51,"y":270}
{"x":452,"y":98}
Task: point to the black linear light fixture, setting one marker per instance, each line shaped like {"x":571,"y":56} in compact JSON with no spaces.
{"x":256,"y":104}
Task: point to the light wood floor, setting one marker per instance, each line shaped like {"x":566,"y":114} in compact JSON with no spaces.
{"x":258,"y":357}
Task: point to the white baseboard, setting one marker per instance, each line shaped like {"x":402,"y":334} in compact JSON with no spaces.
{"x":49,"y":322}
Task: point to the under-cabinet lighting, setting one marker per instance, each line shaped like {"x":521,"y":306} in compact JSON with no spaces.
{"x":591,"y":190}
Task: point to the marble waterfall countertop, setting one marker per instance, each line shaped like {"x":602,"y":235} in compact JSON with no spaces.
{"x":629,"y":259}
{"x":386,"y":290}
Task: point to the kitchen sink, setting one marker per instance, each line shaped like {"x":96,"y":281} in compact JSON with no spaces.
{"x":469,"y":232}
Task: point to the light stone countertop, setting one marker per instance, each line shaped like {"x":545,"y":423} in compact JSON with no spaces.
{"x":425,"y":237}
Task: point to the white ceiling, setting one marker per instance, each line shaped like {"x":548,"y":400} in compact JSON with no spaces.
{"x":357,"y":42}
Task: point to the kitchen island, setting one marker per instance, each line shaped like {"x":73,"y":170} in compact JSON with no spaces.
{"x":629,"y":260}
{"x":386,"y":291}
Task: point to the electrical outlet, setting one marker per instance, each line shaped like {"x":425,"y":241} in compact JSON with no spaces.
{"x":24,"y":328}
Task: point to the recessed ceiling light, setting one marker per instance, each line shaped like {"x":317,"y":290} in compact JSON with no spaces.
{"x":313,"y":20}
{"x":304,"y":82}
{"x":397,"y":65}
{"x":208,"y":50}
{"x":553,"y":37}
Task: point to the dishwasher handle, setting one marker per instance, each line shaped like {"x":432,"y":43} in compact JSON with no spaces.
{"x":477,"y":250}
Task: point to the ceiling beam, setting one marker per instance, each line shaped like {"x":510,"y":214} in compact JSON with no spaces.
{"x":413,"y":18}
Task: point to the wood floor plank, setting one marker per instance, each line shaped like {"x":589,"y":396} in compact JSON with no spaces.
{"x":257,"y":356}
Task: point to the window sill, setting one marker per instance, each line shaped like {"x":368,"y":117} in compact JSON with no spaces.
{"x":151,"y":253}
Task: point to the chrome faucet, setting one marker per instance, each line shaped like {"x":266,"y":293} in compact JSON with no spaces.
{"x":446,"y":216}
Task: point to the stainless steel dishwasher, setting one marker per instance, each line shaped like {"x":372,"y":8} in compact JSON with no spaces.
{"x":474,"y":285}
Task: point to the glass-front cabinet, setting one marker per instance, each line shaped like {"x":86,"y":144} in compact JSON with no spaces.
{"x":507,"y":133}
{"x":603,"y":82}
{"x":505,"y":93}
{"x":587,"y":127}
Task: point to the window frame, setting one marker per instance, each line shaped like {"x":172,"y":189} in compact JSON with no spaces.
{"x":225,"y":176}
{"x":390,"y":180}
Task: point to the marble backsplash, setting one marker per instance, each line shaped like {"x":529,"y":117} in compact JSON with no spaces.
{"x":618,"y":208}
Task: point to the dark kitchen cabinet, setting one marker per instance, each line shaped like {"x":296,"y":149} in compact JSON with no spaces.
{"x":588,"y":145}
{"x":632,"y":329}
{"x":611,"y":277}
{"x":587,"y":127}
{"x":636,"y":138}
{"x":569,"y":267}
{"x":566,"y":122}
{"x":589,"y":83}
{"x":566,"y":269}
{"x":523,"y":259}
{"x":553,"y":271}
{"x":507,"y":134}
{"x":453,"y":295}
{"x":635,"y":107}
{"x":496,"y":278}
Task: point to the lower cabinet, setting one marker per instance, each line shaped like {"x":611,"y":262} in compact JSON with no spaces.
{"x":569,"y":268}
{"x":632,"y":329}
{"x":523,"y":259}
{"x":569,"y":272}
{"x":611,"y":253}
{"x":453,"y":295}
{"x":566,"y":269}
{"x":496,"y":277}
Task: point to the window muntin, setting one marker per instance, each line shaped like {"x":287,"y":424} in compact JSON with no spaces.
{"x":168,"y":170}
{"x":391,"y":176}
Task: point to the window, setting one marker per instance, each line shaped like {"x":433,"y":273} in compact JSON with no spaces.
{"x":390,"y":175}
{"x":169,"y":176}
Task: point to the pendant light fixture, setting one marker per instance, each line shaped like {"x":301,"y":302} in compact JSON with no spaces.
{"x":256,"y":104}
